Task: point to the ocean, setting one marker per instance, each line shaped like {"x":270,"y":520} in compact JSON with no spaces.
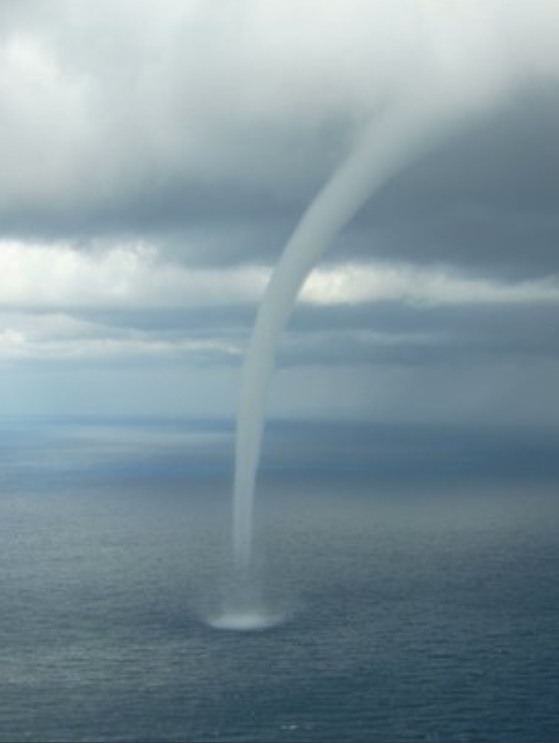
{"x":413,"y":573}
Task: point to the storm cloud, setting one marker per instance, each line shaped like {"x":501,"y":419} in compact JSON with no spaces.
{"x":156,"y":157}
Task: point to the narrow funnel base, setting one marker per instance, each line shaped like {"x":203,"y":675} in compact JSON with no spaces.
{"x":244,"y":621}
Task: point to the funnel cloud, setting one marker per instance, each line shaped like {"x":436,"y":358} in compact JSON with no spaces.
{"x":459,"y":68}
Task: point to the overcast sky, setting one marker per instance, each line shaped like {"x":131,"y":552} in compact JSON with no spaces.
{"x":156,"y":155}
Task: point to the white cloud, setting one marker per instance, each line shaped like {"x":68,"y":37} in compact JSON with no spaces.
{"x":46,"y":291}
{"x":61,"y":337}
{"x":115,"y":275}
{"x":353,"y":283}
{"x":134,"y":276}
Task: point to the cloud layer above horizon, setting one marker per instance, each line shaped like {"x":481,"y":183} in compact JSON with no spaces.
{"x":156,"y":157}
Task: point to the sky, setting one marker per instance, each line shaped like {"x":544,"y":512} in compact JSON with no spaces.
{"x":157,"y":154}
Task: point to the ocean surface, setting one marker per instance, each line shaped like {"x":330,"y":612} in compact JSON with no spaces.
{"x":413,"y":574}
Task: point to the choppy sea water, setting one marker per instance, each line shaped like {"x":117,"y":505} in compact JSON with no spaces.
{"x":418,"y":605}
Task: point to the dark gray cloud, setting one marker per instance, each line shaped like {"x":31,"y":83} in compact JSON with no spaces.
{"x":437,"y":337}
{"x":486,"y":201}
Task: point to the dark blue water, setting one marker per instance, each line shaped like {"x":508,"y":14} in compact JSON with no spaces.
{"x":416,"y":609}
